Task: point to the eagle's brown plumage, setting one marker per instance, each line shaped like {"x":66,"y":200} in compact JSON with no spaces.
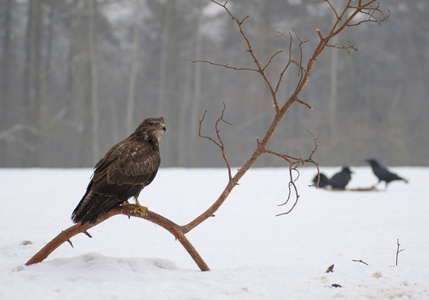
{"x":123,"y":172}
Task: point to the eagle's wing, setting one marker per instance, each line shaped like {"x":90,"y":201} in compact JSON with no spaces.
{"x":128,"y":163}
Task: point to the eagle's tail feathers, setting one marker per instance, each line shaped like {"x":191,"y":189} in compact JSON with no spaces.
{"x":91,"y":206}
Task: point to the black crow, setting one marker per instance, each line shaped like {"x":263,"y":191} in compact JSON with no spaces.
{"x":323,"y":182}
{"x":382,"y":173}
{"x":340,"y":179}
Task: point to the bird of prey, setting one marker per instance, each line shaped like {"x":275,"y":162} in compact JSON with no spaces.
{"x":323,"y":182}
{"x":382,"y":173}
{"x":341,"y":179}
{"x":123,"y":172}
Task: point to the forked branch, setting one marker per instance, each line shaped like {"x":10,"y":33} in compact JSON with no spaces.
{"x":127,"y":210}
{"x":342,"y":22}
{"x":398,"y":250}
{"x":219,"y":142}
{"x":368,"y":12}
{"x":294,"y":163}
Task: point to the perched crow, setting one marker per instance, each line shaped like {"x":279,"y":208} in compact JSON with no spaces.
{"x":323,"y":182}
{"x":340,"y":179}
{"x":382,"y":173}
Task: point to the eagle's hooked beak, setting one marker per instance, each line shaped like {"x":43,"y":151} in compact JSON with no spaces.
{"x":163,"y":127}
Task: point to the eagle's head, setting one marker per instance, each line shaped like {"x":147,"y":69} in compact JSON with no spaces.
{"x":151,"y":129}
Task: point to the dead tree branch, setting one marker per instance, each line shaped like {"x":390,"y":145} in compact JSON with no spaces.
{"x":219,"y":141}
{"x":10,"y":134}
{"x":398,"y":251}
{"x":363,"y":8}
{"x":360,"y":261}
{"x":127,"y":210}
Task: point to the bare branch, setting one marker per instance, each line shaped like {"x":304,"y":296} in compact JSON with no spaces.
{"x":16,"y":128}
{"x":271,"y":59}
{"x":259,"y":69}
{"x":87,"y":234}
{"x":224,"y":65}
{"x":290,"y":186}
{"x":302,"y":71}
{"x":360,"y":261}
{"x":71,"y":244}
{"x":310,"y":158}
{"x":365,"y":9}
{"x":10,"y":134}
{"x":371,"y":13}
{"x":287,"y":65}
{"x":127,"y":210}
{"x":304,"y":103}
{"x":292,"y":61}
{"x":294,"y":163}
{"x":204,"y":136}
{"x":398,"y":251}
{"x":219,"y":141}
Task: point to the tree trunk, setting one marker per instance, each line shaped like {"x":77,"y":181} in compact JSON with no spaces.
{"x":135,"y":64}
{"x":5,"y":81}
{"x":162,"y":89}
{"x":197,"y":79}
{"x":333,"y":86}
{"x":94,"y":80}
{"x":28,"y":66}
{"x":41,"y":99}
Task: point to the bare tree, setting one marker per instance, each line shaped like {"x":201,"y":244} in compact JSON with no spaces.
{"x":6,"y":41}
{"x":352,"y":14}
{"x":163,"y":61}
{"x":197,"y":76}
{"x":135,"y":50}
{"x":94,"y":78}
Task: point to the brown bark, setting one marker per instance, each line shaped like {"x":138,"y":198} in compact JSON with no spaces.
{"x":127,"y":210}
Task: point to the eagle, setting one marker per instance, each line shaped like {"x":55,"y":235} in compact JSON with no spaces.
{"x":123,"y":172}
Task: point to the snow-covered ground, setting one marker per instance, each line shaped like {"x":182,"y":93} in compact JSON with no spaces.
{"x":252,"y":253}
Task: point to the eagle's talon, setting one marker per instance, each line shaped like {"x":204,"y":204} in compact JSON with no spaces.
{"x":139,"y":208}
{"x":142,"y":210}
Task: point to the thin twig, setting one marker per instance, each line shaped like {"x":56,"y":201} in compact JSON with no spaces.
{"x":219,"y":141}
{"x":294,"y":163}
{"x":259,"y":68}
{"x":224,"y":65}
{"x":398,"y":251}
{"x":304,"y":103}
{"x":360,"y":261}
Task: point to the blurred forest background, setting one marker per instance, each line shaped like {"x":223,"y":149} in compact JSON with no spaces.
{"x":78,"y":76}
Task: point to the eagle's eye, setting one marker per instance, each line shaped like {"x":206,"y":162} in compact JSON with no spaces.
{"x":157,"y":125}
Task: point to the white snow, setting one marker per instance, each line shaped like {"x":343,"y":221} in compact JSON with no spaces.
{"x":252,"y":253}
